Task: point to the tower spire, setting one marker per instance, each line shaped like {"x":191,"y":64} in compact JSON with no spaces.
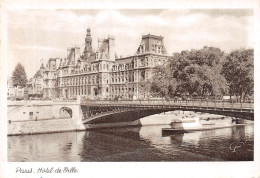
{"x":88,"y":45}
{"x":88,"y":32}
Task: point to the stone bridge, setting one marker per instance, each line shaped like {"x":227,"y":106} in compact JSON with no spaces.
{"x":96,"y":112}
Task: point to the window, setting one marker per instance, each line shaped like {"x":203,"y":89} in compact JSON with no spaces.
{"x":142,"y":62}
{"x":159,"y":49}
{"x":97,"y":79}
{"x":142,"y":75}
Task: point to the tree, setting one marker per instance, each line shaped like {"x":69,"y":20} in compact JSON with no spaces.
{"x":163,"y":84}
{"x":19,"y":77}
{"x":199,"y":71}
{"x":239,"y":72}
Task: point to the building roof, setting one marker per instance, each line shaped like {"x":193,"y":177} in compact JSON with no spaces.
{"x":152,"y":36}
{"x":38,"y":74}
{"x":71,"y":57}
{"x":150,"y":43}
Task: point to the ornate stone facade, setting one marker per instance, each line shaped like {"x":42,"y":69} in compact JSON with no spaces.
{"x":35,"y":84}
{"x":102,"y":74}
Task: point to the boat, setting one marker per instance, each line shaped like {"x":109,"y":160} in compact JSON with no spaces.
{"x":195,"y":124}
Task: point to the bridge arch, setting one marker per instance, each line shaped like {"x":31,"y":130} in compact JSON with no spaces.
{"x":65,"y":112}
{"x":102,"y":114}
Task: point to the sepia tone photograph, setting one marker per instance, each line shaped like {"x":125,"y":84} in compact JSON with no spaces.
{"x":129,"y":85}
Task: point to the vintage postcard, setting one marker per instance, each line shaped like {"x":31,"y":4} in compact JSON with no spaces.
{"x":138,"y":89}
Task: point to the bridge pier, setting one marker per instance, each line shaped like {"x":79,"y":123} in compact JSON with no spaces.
{"x":77,"y":117}
{"x":76,"y":112}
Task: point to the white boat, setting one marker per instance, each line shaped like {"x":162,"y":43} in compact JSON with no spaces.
{"x":195,"y":124}
{"x":186,"y":123}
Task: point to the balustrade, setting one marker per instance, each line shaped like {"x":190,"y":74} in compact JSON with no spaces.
{"x":186,"y":103}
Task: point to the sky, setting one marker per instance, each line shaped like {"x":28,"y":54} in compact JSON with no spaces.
{"x":34,"y":36}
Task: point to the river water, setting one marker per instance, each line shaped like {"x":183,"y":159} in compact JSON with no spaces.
{"x":144,"y":143}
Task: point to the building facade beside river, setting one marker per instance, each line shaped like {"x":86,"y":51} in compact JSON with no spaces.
{"x":102,"y":73}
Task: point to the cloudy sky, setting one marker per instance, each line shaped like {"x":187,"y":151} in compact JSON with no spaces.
{"x":35,"y":35}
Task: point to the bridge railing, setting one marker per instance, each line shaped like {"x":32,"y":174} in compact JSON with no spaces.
{"x":62,"y":100}
{"x":197,"y":103}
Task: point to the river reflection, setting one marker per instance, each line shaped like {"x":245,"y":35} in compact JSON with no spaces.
{"x":135,"y":144}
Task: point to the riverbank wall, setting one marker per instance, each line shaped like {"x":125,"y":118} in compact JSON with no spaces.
{"x":43,"y":126}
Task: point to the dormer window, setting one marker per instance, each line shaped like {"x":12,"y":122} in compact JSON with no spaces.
{"x":158,"y":47}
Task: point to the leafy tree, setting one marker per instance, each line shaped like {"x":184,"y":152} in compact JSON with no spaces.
{"x":163,"y":84}
{"x":239,"y":72}
{"x":144,"y":88}
{"x":19,"y":77}
{"x":199,"y":71}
